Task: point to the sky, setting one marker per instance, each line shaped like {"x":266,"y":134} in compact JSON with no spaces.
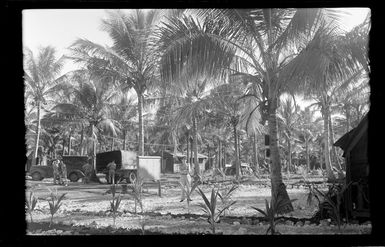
{"x":61,"y":27}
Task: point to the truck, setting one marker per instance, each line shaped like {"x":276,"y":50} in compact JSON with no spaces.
{"x":126,"y":164}
{"x":73,"y":163}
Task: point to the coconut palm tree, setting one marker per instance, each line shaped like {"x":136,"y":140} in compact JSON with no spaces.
{"x":91,"y":104}
{"x":132,"y":60}
{"x":42,"y":75}
{"x":269,"y":46}
{"x":288,"y":121}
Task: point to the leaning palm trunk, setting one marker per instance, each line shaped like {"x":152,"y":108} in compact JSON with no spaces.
{"x":278,"y":188}
{"x":196,"y":164}
{"x":329,"y":171}
{"x":140,"y":113}
{"x":37,"y":130}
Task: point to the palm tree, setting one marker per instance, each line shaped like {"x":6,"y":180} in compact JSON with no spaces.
{"x":42,"y":79}
{"x":132,"y":60}
{"x":288,"y":121}
{"x":194,"y":102}
{"x":91,"y":96}
{"x":268,"y":45}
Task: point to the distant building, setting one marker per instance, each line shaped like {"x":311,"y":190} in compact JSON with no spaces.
{"x":355,"y":146}
{"x":171,"y":161}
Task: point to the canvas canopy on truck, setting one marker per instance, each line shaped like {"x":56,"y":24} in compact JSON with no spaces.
{"x":125,"y":160}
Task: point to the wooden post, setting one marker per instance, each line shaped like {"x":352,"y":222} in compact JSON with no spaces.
{"x":159,"y":189}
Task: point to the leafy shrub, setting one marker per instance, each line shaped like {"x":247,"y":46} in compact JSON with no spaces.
{"x":270,"y":213}
{"x":332,"y":201}
{"x":210,"y":207}
{"x":54,"y":202}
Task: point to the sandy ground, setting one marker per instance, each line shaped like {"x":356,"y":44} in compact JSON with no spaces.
{"x":88,"y":205}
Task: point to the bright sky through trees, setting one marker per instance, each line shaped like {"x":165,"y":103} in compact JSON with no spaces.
{"x":61,"y":27}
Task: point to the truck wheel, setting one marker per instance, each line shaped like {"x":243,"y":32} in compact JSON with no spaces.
{"x":36,"y":176}
{"x":73,"y":177}
{"x":132,"y":177}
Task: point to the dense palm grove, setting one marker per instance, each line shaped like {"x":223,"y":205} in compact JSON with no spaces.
{"x":206,"y":81}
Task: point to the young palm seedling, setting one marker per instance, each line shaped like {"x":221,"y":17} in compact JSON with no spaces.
{"x":333,"y":205}
{"x":30,"y":204}
{"x":270,"y":213}
{"x":210,"y":208}
{"x":54,"y":202}
{"x":114,"y":203}
{"x":137,"y":188}
{"x":226,"y":195}
{"x":188,"y":190}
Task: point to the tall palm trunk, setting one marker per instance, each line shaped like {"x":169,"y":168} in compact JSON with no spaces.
{"x":347,"y":112}
{"x":93,"y":135}
{"x":174,"y":141}
{"x":37,"y":131}
{"x":334,"y":148}
{"x":81,"y":140}
{"x":236,"y":151}
{"x":219,"y":153}
{"x":69,"y":142}
{"x":329,"y":171}
{"x":141,"y":130}
{"x":289,"y":154}
{"x":278,"y":188}
{"x":307,"y":153}
{"x":124,"y":138}
{"x":188,"y":148}
{"x":196,"y":163}
{"x":255,"y":152}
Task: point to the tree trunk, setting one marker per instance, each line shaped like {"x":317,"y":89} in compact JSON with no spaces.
{"x":69,"y":142}
{"x":236,"y":151}
{"x":278,"y":188}
{"x":224,"y":156}
{"x":288,"y":155}
{"x":196,"y":163}
{"x":37,"y":131}
{"x":333,"y":147}
{"x":112,"y":143}
{"x":81,"y":141}
{"x":307,"y":154}
{"x":174,"y":142}
{"x":255,"y":152}
{"x":347,"y":112}
{"x":124,"y":138}
{"x":141,"y":130}
{"x":219,"y":153}
{"x":188,"y":149}
{"x":329,"y":171}
{"x":93,"y":175}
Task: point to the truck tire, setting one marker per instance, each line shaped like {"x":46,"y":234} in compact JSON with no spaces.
{"x":132,"y":177}
{"x":73,"y":177}
{"x":36,"y":176}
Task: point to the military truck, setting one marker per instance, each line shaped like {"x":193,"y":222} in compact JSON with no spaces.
{"x":126,"y":164}
{"x":74,"y":168}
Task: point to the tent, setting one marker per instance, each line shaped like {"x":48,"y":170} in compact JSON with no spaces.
{"x":355,"y":147}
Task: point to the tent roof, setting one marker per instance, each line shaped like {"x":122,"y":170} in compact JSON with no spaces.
{"x":350,"y":139}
